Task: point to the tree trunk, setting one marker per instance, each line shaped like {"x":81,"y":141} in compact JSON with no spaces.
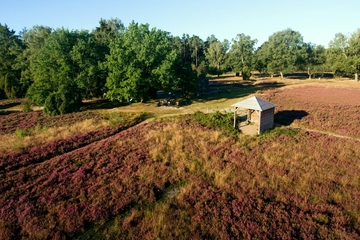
{"x":281,"y":75}
{"x":356,"y":76}
{"x":308,"y":72}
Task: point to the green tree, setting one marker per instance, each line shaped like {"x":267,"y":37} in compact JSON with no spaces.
{"x":104,"y":34}
{"x":313,"y":59}
{"x":55,"y":72}
{"x":88,"y":58}
{"x":141,"y":61}
{"x":261,"y":58}
{"x":344,"y":54}
{"x":65,"y":100}
{"x":216,"y":54}
{"x":34,"y":39}
{"x":197,"y":50}
{"x":241,"y":55}
{"x":68,"y":59}
{"x":191,"y":51}
{"x":210,"y":40}
{"x":282,"y":52}
{"x":185,"y":74}
{"x":107,"y":32}
{"x":11,"y":48}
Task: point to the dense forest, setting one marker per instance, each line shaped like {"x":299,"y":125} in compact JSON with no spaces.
{"x":58,"y":68}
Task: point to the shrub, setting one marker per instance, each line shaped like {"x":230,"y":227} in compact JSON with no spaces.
{"x":246,"y":75}
{"x":26,"y":106}
{"x":38,"y":92}
{"x":66,"y":100}
{"x":217,"y":120}
{"x":51,"y":106}
{"x":21,"y":133}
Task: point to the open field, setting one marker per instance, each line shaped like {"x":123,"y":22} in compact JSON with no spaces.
{"x":107,"y":177}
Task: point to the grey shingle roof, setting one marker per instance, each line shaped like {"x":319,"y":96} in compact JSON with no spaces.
{"x":254,"y":103}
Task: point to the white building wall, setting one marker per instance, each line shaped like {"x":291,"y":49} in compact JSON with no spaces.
{"x":267,"y":119}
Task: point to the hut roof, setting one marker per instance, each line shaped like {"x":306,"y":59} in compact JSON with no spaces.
{"x":254,"y":103}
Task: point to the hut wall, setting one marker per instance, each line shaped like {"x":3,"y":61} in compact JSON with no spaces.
{"x":254,"y":117}
{"x":267,"y":119}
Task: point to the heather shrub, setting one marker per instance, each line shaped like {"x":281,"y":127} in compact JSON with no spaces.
{"x":318,"y":108}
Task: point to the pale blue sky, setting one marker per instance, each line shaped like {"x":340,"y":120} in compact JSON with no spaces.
{"x":316,"y":20}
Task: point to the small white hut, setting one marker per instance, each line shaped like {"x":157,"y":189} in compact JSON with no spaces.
{"x":260,"y":112}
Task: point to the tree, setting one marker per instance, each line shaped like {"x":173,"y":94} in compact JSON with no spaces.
{"x":241,"y":55}
{"x":197,"y":49}
{"x":103,"y":35}
{"x":108,"y":31}
{"x":141,"y":61}
{"x":313,"y":59}
{"x":210,"y":40}
{"x":261,"y":58}
{"x":344,"y":54}
{"x":216,"y":53}
{"x":34,"y":39}
{"x":57,"y":74}
{"x":69,"y":60}
{"x":185,"y":74}
{"x":88,"y":58}
{"x":11,"y":48}
{"x":282,"y":51}
{"x":65,"y":100}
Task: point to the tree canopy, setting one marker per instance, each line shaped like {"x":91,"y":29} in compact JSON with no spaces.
{"x":34,"y":39}
{"x":313,"y":59}
{"x":140,"y":62}
{"x":134,"y":62}
{"x":216,"y":53}
{"x":241,"y":55}
{"x":11,"y":48}
{"x":55,"y":70}
{"x":344,"y":54}
{"x":282,"y":52}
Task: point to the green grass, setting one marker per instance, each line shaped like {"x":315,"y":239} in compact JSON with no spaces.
{"x":218,"y":121}
{"x":22,"y":133}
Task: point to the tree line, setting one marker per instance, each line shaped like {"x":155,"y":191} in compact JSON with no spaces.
{"x":59,"y":68}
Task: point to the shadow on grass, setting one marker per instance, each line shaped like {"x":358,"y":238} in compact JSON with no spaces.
{"x":9,"y":105}
{"x":101,"y":104}
{"x":297,"y":75}
{"x":304,"y":75}
{"x":287,"y":117}
{"x":217,"y":91}
{"x":7,"y":112}
{"x":235,"y":90}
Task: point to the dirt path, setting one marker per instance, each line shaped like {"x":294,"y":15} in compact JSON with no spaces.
{"x":327,"y":133}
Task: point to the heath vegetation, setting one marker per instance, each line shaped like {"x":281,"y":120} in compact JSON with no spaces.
{"x":185,"y":176}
